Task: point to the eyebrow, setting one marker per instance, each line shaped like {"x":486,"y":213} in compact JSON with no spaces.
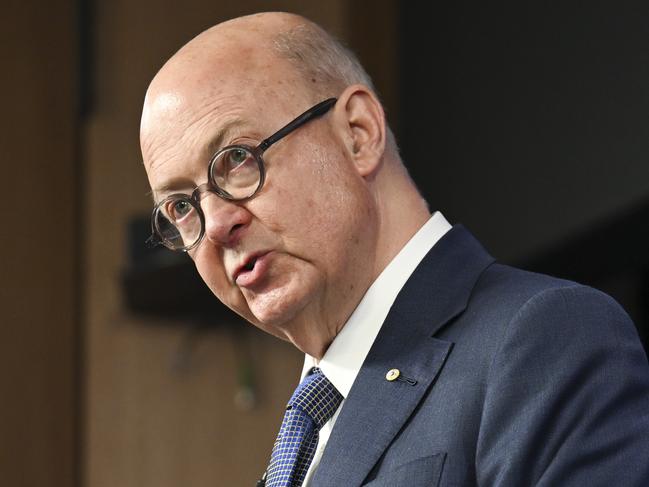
{"x":213,"y":145}
{"x":224,"y":133}
{"x":172,"y":186}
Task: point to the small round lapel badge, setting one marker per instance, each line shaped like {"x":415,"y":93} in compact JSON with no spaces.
{"x":393,"y":374}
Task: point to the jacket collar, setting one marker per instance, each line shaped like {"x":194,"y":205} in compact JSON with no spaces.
{"x":376,"y":408}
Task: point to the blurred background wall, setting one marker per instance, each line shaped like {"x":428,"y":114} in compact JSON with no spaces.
{"x":40,"y":237}
{"x":529,"y":124}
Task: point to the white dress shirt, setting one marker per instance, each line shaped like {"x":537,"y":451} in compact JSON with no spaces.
{"x":344,"y":357}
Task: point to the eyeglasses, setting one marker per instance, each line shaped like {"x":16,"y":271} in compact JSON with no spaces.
{"x":235,"y":173}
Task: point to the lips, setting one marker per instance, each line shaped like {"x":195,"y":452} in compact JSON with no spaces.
{"x":251,"y":269}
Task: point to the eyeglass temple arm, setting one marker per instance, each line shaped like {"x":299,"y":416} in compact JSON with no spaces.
{"x":313,"y":112}
{"x":152,"y":241}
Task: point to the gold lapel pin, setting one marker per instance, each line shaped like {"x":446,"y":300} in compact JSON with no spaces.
{"x":393,"y":374}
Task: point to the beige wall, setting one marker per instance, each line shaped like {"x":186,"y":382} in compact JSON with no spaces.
{"x":38,"y":242}
{"x":148,"y":422}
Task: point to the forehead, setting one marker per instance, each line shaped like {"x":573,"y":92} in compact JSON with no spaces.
{"x":184,"y":124}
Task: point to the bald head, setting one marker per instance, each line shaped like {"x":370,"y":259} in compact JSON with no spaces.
{"x":324,"y":64}
{"x":308,"y":62}
{"x":246,"y":41}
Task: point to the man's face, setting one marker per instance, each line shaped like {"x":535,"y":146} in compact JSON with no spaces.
{"x":295,"y":259}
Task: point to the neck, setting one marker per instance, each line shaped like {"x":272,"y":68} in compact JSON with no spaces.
{"x":402,"y":212}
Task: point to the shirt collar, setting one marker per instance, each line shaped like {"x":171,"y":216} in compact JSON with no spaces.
{"x":346,"y":354}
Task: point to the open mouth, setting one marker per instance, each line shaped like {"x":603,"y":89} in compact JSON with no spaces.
{"x":250,"y":265}
{"x":252,"y":270}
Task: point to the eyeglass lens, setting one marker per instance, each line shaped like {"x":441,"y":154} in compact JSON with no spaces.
{"x":234,"y":171}
{"x":178,"y":222}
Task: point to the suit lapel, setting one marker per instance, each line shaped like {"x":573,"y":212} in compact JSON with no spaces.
{"x":376,"y":409}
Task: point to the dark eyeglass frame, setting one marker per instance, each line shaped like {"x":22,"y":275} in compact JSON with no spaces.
{"x":156,"y":237}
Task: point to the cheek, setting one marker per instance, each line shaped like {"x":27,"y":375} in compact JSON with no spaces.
{"x":311,"y":190}
{"x":326,"y":218}
{"x":340,"y":207}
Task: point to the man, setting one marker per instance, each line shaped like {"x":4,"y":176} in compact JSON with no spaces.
{"x":443,"y":367}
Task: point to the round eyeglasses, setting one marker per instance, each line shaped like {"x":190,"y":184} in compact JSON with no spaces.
{"x":234,"y":173}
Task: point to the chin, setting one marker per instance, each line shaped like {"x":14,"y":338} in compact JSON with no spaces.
{"x":277,"y":312}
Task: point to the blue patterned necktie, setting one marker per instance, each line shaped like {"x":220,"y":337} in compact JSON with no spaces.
{"x":313,"y":403}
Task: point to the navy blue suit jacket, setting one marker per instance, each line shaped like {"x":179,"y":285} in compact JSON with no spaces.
{"x":521,"y":380}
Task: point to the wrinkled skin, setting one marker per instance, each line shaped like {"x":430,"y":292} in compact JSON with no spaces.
{"x":317,"y":221}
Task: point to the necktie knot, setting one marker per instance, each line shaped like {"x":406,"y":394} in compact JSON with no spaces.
{"x":317,"y":397}
{"x":312,"y":404}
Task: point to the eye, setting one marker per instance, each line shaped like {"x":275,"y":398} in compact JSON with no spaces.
{"x":236,"y":159}
{"x":178,"y":209}
{"x":231,"y":159}
{"x":238,"y":156}
{"x":181,"y":208}
{"x":236,"y":171}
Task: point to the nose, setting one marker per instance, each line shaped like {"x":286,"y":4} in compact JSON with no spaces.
{"x":224,"y":220}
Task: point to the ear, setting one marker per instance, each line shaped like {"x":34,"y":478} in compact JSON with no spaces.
{"x":362,"y":122}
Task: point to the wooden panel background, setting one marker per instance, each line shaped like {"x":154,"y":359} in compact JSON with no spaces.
{"x":39,"y":245}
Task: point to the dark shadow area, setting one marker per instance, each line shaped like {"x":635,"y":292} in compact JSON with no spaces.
{"x":165,"y":286}
{"x":610,"y":256}
{"x":529,"y":124}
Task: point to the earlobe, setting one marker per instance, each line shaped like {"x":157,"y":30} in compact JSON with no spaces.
{"x":364,"y":124}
